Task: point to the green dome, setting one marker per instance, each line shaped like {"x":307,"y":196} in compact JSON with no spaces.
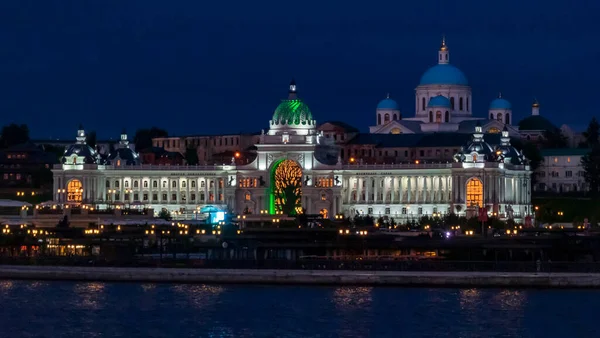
{"x":292,"y":111}
{"x":536,"y":122}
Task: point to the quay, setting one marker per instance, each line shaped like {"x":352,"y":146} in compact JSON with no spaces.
{"x":305,"y":277}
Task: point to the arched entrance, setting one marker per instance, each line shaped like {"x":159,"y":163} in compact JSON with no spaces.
{"x":324,"y":213}
{"x":286,"y":187}
{"x":474,"y":193}
{"x":74,"y":191}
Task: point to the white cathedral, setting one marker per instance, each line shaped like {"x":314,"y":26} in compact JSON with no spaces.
{"x":297,"y":169}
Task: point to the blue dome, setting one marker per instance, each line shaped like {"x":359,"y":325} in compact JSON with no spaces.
{"x":500,"y":103}
{"x":388,"y":104}
{"x":439,"y":101}
{"x":444,"y":74}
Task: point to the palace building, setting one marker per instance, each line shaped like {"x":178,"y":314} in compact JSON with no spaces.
{"x":296,"y":168}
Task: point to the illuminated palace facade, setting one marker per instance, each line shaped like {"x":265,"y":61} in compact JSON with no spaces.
{"x":298,"y":169}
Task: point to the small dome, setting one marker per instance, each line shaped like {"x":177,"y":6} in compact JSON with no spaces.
{"x":292,"y":111}
{"x":126,"y":155}
{"x":444,"y":74}
{"x":439,"y":101}
{"x":388,"y":104}
{"x":82,"y":150}
{"x":500,"y":103}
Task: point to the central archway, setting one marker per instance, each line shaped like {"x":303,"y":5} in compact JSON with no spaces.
{"x":286,"y":187}
{"x":474,"y":193}
{"x":74,"y":191}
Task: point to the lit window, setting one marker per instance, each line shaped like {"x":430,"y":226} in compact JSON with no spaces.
{"x":569,"y":159}
{"x":556,"y":160}
{"x":248,"y":196}
{"x":74,"y":191}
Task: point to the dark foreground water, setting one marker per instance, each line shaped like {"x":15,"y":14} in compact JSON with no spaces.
{"x":68,"y":309}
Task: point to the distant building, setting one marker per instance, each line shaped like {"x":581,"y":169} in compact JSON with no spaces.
{"x":26,"y":168}
{"x":561,"y":171}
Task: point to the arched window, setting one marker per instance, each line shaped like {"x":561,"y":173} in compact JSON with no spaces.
{"x":174,"y":184}
{"x":183,"y":184}
{"x":386,"y":118}
{"x":248,"y":196}
{"x":438,"y":117}
{"x":499,"y":117}
{"x":422,"y":103}
{"x":74,"y":191}
{"x":447,"y":116}
{"x":126,"y":184}
{"x":491,"y":116}
{"x":467,"y":104}
{"x":395,"y":117}
{"x":452,"y":103}
{"x":116,"y":184}
{"x":507,"y":118}
{"x":378,"y":119}
{"x":430,"y":116}
{"x":193,"y":184}
{"x":474,"y":193}
{"x":145,"y":184}
{"x":460,"y":103}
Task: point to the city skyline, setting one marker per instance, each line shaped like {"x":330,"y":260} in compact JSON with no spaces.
{"x":183,"y":67}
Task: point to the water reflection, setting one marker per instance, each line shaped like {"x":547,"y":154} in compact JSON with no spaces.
{"x":352,"y":298}
{"x":200,"y":296}
{"x":6,"y":285}
{"x":90,"y":295}
{"x":510,"y":299}
{"x":148,"y":287}
{"x":469,"y":299}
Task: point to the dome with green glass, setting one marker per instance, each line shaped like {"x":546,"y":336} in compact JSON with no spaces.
{"x":292,"y":111}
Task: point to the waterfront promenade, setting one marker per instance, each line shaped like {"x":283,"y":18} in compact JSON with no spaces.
{"x":306,"y":277}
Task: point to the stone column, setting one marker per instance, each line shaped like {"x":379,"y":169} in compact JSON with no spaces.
{"x":409,"y":189}
{"x":392,"y":189}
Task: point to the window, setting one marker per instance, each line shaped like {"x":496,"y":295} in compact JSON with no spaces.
{"x":474,"y":193}
{"x":422,"y":103}
{"x":193,"y":197}
{"x":420,"y":211}
{"x":403,"y":211}
{"x":499,"y":117}
{"x":386,"y":118}
{"x":556,"y":160}
{"x":145,"y":197}
{"x":155,"y":197}
{"x":467,"y":104}
{"x":447,"y":116}
{"x":369,"y":211}
{"x":74,"y":191}
{"x":568,"y":173}
{"x":569,"y":159}
{"x":202,"y":196}
{"x":378,"y":119}
{"x":145,"y":184}
{"x":387,"y":211}
{"x":202,"y":184}
{"x":184,"y":184}
{"x":136,"y":184}
{"x":323,"y":197}
{"x":460,"y":103}
{"x":193,"y":184}
{"x":507,"y":118}
{"x":174,"y":184}
{"x":164,"y":197}
{"x":395,"y":117}
{"x":452,"y":103}
{"x":116,"y":184}
{"x":491,"y":116}
{"x":126,"y":184}
{"x":107,"y":184}
{"x":438,"y":117}
{"x":430,"y":117}
{"x":136,"y":197}
{"x":247,"y":196}
{"x":154,"y":184}
{"x":164,"y":184}
{"x":173,"y":197}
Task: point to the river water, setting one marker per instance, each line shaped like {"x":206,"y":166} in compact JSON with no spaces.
{"x":71,"y":309}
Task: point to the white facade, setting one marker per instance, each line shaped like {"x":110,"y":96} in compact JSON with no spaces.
{"x":561,"y":171}
{"x":328,"y":186}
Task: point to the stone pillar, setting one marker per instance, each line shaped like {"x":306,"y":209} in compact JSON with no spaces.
{"x":409,"y":189}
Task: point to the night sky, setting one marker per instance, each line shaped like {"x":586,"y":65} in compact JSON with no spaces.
{"x":208,"y":67}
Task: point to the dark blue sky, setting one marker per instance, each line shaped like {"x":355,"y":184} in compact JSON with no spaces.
{"x":200,"y":67}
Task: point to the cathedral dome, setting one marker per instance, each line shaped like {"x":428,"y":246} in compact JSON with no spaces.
{"x":500,"y":103}
{"x":388,"y":103}
{"x":444,"y":74}
{"x":126,"y":155}
{"x":80,"y":152}
{"x":439,"y":101}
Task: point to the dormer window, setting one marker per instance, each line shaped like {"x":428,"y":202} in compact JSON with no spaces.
{"x":474,"y":157}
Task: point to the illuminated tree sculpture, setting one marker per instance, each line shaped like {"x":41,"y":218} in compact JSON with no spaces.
{"x":288,"y":187}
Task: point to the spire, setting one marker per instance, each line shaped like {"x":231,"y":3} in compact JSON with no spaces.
{"x":388,"y":95}
{"x":292,"y":92}
{"x":499,"y":95}
{"x":535,"y":108}
{"x":124,"y":142}
{"x":80,"y":135}
{"x":443,"y":54}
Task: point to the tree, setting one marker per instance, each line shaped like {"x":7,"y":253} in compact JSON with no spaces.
{"x":591,"y":134}
{"x":191,"y":156}
{"x":288,"y":187}
{"x":143,"y":137}
{"x":14,"y":134}
{"x":554,"y":139}
{"x":164,"y":214}
{"x":90,"y":139}
{"x":591,"y":169}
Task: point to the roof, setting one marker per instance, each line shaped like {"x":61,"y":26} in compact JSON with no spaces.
{"x":444,"y":74}
{"x":341,"y":124}
{"x":536,"y":122}
{"x":419,"y":140}
{"x":292,"y":112}
{"x":565,"y":152}
{"x":388,"y":104}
